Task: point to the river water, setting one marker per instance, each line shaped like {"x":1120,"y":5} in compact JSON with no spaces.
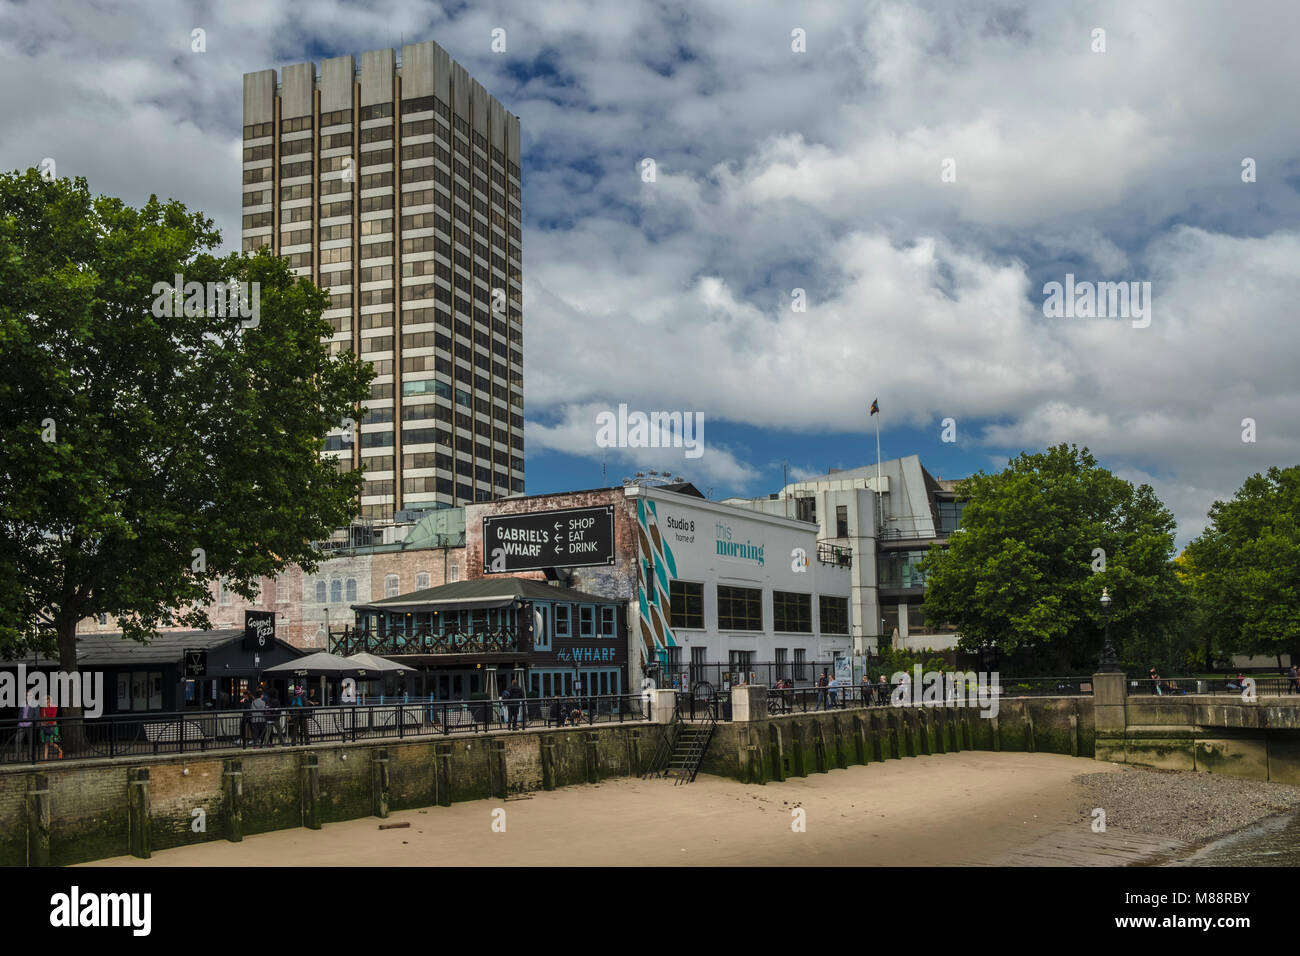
{"x":1272,"y":842}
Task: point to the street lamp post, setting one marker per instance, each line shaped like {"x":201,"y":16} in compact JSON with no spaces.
{"x":1109,"y":662}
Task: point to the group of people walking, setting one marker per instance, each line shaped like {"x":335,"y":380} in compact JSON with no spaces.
{"x":48,"y":736}
{"x":264,"y":722}
{"x":831,"y":693}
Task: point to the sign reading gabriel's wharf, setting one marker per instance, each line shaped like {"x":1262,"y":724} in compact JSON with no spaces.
{"x":568,"y":538}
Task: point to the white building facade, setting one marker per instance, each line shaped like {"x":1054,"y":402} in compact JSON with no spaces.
{"x":888,"y":516}
{"x":729,"y":595}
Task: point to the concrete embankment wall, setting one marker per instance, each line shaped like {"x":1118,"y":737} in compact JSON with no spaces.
{"x":774,"y":748}
{"x":1257,"y":739}
{"x":76,"y":811}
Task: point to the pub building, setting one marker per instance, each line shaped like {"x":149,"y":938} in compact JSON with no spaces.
{"x":175,"y":670}
{"x":469,"y":639}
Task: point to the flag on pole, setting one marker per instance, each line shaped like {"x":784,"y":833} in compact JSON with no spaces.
{"x":875,"y":406}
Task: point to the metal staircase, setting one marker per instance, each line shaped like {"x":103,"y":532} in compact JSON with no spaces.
{"x":684,"y":744}
{"x":692,"y":743}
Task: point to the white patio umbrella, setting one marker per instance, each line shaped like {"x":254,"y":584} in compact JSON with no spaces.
{"x":378,"y":665}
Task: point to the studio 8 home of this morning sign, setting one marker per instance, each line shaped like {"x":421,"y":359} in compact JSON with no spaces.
{"x":567,"y":538}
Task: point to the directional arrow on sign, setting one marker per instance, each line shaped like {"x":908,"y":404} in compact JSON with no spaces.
{"x":557,"y":549}
{"x":557,"y":527}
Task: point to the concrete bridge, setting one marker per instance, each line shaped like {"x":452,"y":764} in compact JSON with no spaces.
{"x":1258,"y":739}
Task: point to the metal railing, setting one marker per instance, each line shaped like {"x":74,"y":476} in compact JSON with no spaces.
{"x":803,"y":700}
{"x":835,"y":554}
{"x":760,"y":672}
{"x":424,"y":641}
{"x":704,"y":705}
{"x":126,"y":735}
{"x":1044,"y":686}
{"x":1212,"y":686}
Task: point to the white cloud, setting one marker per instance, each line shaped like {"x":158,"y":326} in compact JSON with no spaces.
{"x":819,"y":171}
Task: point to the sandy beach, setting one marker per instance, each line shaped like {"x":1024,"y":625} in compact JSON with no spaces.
{"x":948,"y":809}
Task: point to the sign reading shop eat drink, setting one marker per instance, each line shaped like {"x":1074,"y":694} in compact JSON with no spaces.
{"x":567,"y":538}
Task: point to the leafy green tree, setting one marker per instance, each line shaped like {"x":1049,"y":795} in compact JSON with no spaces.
{"x":1247,"y":564}
{"x":147,"y":455}
{"x":1025,"y":572}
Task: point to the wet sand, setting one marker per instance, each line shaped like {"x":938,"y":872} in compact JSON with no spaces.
{"x":963,"y":808}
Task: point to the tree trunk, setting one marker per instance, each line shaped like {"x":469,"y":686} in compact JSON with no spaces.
{"x":71,"y":728}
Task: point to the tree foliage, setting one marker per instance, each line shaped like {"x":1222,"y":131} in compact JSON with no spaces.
{"x":145,"y":456}
{"x":1244,"y":569}
{"x":1023,"y":573}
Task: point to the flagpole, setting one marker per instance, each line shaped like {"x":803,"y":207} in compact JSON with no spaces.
{"x":880,"y":518}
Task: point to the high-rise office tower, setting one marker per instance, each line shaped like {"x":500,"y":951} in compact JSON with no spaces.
{"x":395,"y":187}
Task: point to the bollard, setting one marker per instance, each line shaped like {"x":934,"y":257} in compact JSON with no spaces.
{"x":497,"y":760}
{"x":232,"y":785}
{"x":309,"y":787}
{"x":774,"y":745}
{"x":138,"y":819}
{"x":797,"y":750}
{"x":548,"y":763}
{"x":841,"y":758}
{"x":442,"y":774}
{"x":379,"y":783}
{"x":634,"y":753}
{"x":591,"y":756}
{"x":1074,"y":735}
{"x":909,"y":732}
{"x":859,"y":739}
{"x":38,"y":820}
{"x":876,"y":741}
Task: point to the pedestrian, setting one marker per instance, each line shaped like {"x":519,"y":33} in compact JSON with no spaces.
{"x":867,"y":690}
{"x":833,"y":692}
{"x":246,"y":718}
{"x":25,"y":732}
{"x":1294,"y":674}
{"x":882,"y":690}
{"x":822,"y":681}
{"x":257,"y":719}
{"x":50,"y":728}
{"x":297,"y":715}
{"x":274,"y":718}
{"x":555,"y":716}
{"x":513,"y":696}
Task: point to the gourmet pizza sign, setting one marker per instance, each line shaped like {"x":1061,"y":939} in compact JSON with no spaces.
{"x":567,"y":538}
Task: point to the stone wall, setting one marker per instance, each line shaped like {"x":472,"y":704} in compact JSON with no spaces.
{"x":1257,"y":739}
{"x":75,"y":811}
{"x":774,"y":748}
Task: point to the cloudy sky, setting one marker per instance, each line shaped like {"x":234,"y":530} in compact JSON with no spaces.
{"x":919,"y":170}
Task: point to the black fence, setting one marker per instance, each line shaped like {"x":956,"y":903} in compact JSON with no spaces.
{"x":802,"y":700}
{"x":728,"y":675}
{"x":1215,"y":686}
{"x":424,"y":641}
{"x":1044,"y":686}
{"x":40,"y":740}
{"x":704,"y":703}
